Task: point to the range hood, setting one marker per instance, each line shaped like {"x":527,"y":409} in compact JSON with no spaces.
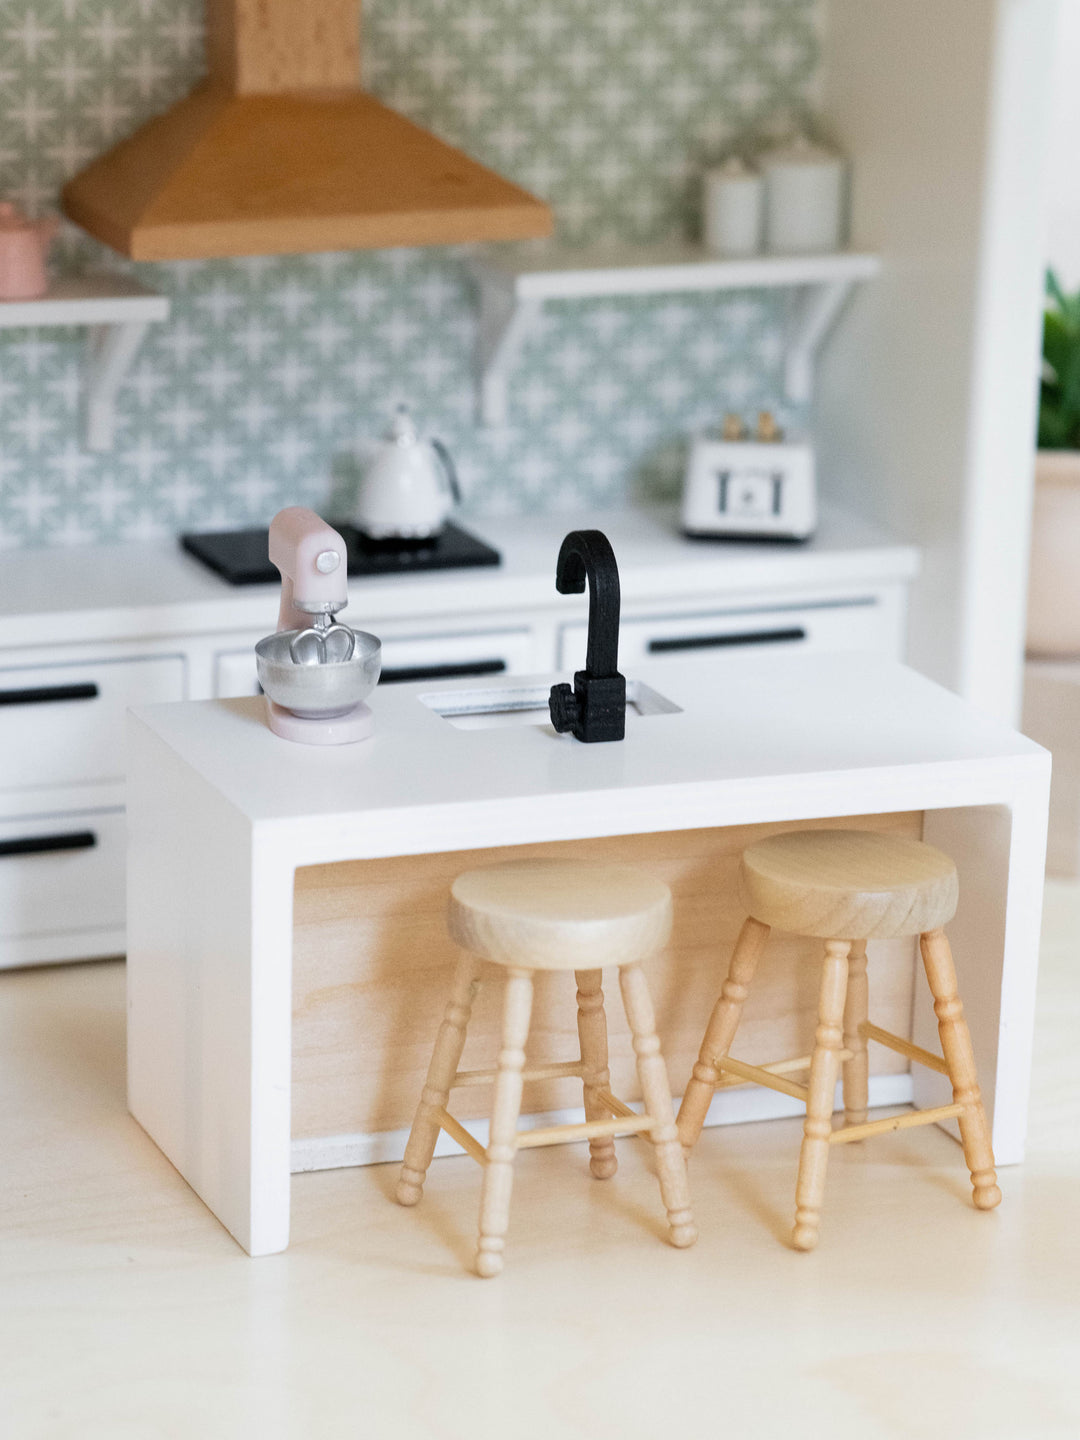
{"x":279,"y":151}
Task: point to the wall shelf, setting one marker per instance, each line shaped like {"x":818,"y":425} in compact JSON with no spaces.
{"x":516,"y":281}
{"x":118,"y":312}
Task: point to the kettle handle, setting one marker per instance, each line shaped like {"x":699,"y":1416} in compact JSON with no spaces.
{"x":449,"y":469}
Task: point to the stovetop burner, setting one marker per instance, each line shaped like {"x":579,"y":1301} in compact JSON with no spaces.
{"x":240,"y":556}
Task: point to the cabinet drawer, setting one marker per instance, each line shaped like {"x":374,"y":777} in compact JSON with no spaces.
{"x":64,"y":724}
{"x":62,"y":873}
{"x":848,"y":625}
{"x":407,"y":658}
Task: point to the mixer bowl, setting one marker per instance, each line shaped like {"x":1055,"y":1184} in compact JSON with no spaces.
{"x":317,"y":692}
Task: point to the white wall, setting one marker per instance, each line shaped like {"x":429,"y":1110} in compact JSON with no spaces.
{"x":926,"y":403}
{"x":1063,"y":151}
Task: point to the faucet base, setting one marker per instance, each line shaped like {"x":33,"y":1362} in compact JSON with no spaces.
{"x":595,"y":710}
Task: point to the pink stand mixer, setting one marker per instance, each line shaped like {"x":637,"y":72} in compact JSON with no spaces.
{"x":316,"y":672}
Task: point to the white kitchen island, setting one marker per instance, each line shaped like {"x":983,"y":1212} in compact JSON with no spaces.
{"x":222,"y":814}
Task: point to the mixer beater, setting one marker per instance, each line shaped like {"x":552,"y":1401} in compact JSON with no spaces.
{"x":324,"y":642}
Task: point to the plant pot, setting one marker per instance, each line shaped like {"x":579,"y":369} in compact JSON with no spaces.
{"x":1053,"y":616}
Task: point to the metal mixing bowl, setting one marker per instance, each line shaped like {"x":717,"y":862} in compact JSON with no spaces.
{"x":317,"y":692}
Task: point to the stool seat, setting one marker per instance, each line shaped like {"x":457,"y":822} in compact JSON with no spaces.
{"x":560,"y":914}
{"x":848,"y":884}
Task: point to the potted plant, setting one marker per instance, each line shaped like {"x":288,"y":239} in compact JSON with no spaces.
{"x":1053,"y":620}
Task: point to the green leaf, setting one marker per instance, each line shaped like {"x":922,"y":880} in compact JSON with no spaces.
{"x":1057,"y":342}
{"x":1059,"y":395}
{"x":1053,"y":431}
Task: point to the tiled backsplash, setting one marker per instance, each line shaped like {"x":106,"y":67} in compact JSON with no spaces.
{"x":274,"y":375}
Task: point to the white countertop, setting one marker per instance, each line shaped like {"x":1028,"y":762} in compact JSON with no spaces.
{"x":833,"y":723}
{"x":156,"y":589}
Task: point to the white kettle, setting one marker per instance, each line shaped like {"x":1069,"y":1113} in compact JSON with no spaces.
{"x":409,"y":487}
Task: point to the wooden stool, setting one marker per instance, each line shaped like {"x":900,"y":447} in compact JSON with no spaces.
{"x":846,"y":887}
{"x":552,"y":915}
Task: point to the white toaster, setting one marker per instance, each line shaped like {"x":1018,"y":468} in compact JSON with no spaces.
{"x":749,"y":489}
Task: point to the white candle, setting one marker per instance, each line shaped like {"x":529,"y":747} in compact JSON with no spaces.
{"x":733,"y":206}
{"x":804,"y":199}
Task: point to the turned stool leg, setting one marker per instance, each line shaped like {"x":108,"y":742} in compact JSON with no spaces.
{"x":441,"y":1071}
{"x":856,"y":1011}
{"x":720,"y":1032}
{"x":502,"y":1137}
{"x":652,"y":1073}
{"x":814,"y":1156}
{"x":960,"y":1058}
{"x":592,"y":1034}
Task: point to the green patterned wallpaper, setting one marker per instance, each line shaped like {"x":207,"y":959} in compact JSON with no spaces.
{"x":275,"y":375}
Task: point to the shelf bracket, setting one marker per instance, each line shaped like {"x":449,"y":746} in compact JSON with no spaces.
{"x":110,"y":353}
{"x":514,"y":287}
{"x":505,"y":320}
{"x":815,"y":310}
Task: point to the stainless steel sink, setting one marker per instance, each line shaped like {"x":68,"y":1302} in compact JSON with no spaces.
{"x":494,"y":707}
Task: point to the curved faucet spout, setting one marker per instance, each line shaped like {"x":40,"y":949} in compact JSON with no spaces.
{"x":595,"y":709}
{"x":587,"y":554}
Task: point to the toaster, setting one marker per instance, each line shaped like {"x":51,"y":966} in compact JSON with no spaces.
{"x":749,"y":489}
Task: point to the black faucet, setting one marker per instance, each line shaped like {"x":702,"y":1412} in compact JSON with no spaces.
{"x":595,"y":709}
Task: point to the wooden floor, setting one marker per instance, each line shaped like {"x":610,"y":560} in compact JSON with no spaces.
{"x":127,"y":1313}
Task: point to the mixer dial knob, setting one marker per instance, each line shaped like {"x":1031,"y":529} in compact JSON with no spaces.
{"x":327,"y":561}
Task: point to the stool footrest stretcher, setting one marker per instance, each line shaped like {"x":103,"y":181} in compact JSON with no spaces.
{"x":560,"y":1070}
{"x":895,"y":1122}
{"x":558,"y":1134}
{"x":457,"y":1131}
{"x":777,"y":1067}
{"x":903,"y":1047}
{"x":624,"y":1122}
{"x":763,"y":1075}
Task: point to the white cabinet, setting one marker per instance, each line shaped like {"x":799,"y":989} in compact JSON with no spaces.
{"x":858,"y":622}
{"x":62,"y":724}
{"x":63,"y":854}
{"x":62,"y":886}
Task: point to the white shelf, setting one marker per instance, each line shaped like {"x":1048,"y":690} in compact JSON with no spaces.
{"x":117,"y":311}
{"x":516,"y":281}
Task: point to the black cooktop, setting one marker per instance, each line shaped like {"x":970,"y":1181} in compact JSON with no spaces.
{"x":241,"y":558}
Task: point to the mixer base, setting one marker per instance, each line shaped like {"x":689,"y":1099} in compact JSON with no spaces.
{"x":356,"y":724}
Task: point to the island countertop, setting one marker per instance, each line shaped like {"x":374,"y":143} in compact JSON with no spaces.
{"x":222,"y":813}
{"x":751,"y":720}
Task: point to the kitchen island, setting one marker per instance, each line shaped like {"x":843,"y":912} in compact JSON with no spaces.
{"x":225,"y":818}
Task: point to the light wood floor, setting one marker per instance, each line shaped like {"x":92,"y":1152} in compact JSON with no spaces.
{"x":127,"y":1313}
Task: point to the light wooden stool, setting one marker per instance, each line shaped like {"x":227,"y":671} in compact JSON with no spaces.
{"x":846,"y":887}
{"x":552,"y":915}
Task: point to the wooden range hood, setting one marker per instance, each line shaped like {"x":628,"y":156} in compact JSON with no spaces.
{"x":279,"y":151}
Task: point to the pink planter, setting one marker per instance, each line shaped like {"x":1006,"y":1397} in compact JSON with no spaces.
{"x":1053,"y":619}
{"x":23,"y":246}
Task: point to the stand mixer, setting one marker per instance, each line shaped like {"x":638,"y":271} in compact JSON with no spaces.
{"x":315,"y":671}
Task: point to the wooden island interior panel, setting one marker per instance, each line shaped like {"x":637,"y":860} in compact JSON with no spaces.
{"x":372,"y":965}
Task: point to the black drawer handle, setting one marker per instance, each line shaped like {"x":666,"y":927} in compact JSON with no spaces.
{"x":404,"y":673}
{"x":49,"y":694}
{"x":46,"y":844}
{"x":716,"y":642}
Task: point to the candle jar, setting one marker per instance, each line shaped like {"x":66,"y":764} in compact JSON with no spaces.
{"x":804,"y":199}
{"x":733,"y":196}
